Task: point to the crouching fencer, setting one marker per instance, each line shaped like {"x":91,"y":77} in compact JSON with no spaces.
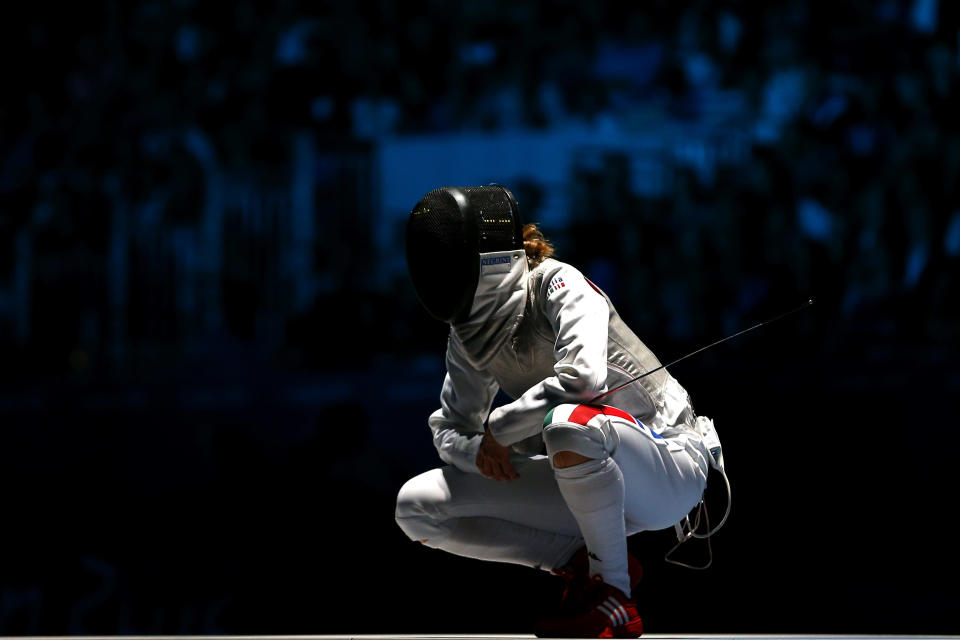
{"x":553,"y":481}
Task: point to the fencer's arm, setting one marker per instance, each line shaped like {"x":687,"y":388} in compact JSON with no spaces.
{"x":580,"y":319}
{"x":465,"y":401}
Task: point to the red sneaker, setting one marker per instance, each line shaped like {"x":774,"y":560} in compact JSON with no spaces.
{"x":577,"y":577}
{"x":609,"y":614}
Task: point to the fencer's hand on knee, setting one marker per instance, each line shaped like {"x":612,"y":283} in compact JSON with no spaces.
{"x":493,"y":459}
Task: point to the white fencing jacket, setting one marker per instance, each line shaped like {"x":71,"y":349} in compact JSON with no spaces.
{"x":546,"y":337}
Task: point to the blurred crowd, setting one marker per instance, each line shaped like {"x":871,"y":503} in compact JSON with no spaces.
{"x":119,"y":118}
{"x":126,"y":111}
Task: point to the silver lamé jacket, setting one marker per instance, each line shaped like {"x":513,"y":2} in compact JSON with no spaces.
{"x":546,"y":336}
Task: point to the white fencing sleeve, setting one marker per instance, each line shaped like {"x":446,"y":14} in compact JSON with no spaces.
{"x":580,"y":318}
{"x":465,"y":401}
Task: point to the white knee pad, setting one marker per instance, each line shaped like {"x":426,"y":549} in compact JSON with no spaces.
{"x":568,"y":428}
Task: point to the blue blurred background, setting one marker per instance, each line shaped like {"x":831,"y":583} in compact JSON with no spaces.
{"x":214,"y":375}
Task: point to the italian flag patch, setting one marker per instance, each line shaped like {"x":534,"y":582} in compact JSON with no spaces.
{"x":555,"y":285}
{"x":586,"y":414}
{"x":595,"y":415}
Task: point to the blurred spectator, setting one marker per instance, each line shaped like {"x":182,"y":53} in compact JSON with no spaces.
{"x":136,"y":123}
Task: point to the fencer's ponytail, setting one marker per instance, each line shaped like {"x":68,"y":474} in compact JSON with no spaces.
{"x":538,"y":248}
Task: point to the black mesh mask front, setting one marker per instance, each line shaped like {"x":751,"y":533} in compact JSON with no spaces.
{"x":447,"y":231}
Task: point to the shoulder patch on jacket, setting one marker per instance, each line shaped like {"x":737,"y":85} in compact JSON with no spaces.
{"x":555,"y":285}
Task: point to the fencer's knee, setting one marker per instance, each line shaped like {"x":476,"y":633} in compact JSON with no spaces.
{"x":408,"y":500}
{"x":575,"y":443}
{"x":564,"y":459}
{"x":417,"y":510}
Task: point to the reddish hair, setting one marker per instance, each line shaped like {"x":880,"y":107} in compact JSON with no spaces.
{"x":538,"y":248}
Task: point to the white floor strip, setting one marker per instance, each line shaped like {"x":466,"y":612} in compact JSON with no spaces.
{"x":648,"y":636}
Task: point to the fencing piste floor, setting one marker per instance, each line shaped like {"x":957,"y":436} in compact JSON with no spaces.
{"x":649,"y":636}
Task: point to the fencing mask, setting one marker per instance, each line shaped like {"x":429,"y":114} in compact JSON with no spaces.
{"x":446,"y":232}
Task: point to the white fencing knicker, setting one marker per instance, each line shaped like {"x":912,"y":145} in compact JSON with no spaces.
{"x":528,"y":520}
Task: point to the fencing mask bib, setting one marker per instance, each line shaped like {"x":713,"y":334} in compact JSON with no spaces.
{"x":447,"y":231}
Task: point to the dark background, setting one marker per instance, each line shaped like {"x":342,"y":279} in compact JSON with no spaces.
{"x":214,"y":375}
